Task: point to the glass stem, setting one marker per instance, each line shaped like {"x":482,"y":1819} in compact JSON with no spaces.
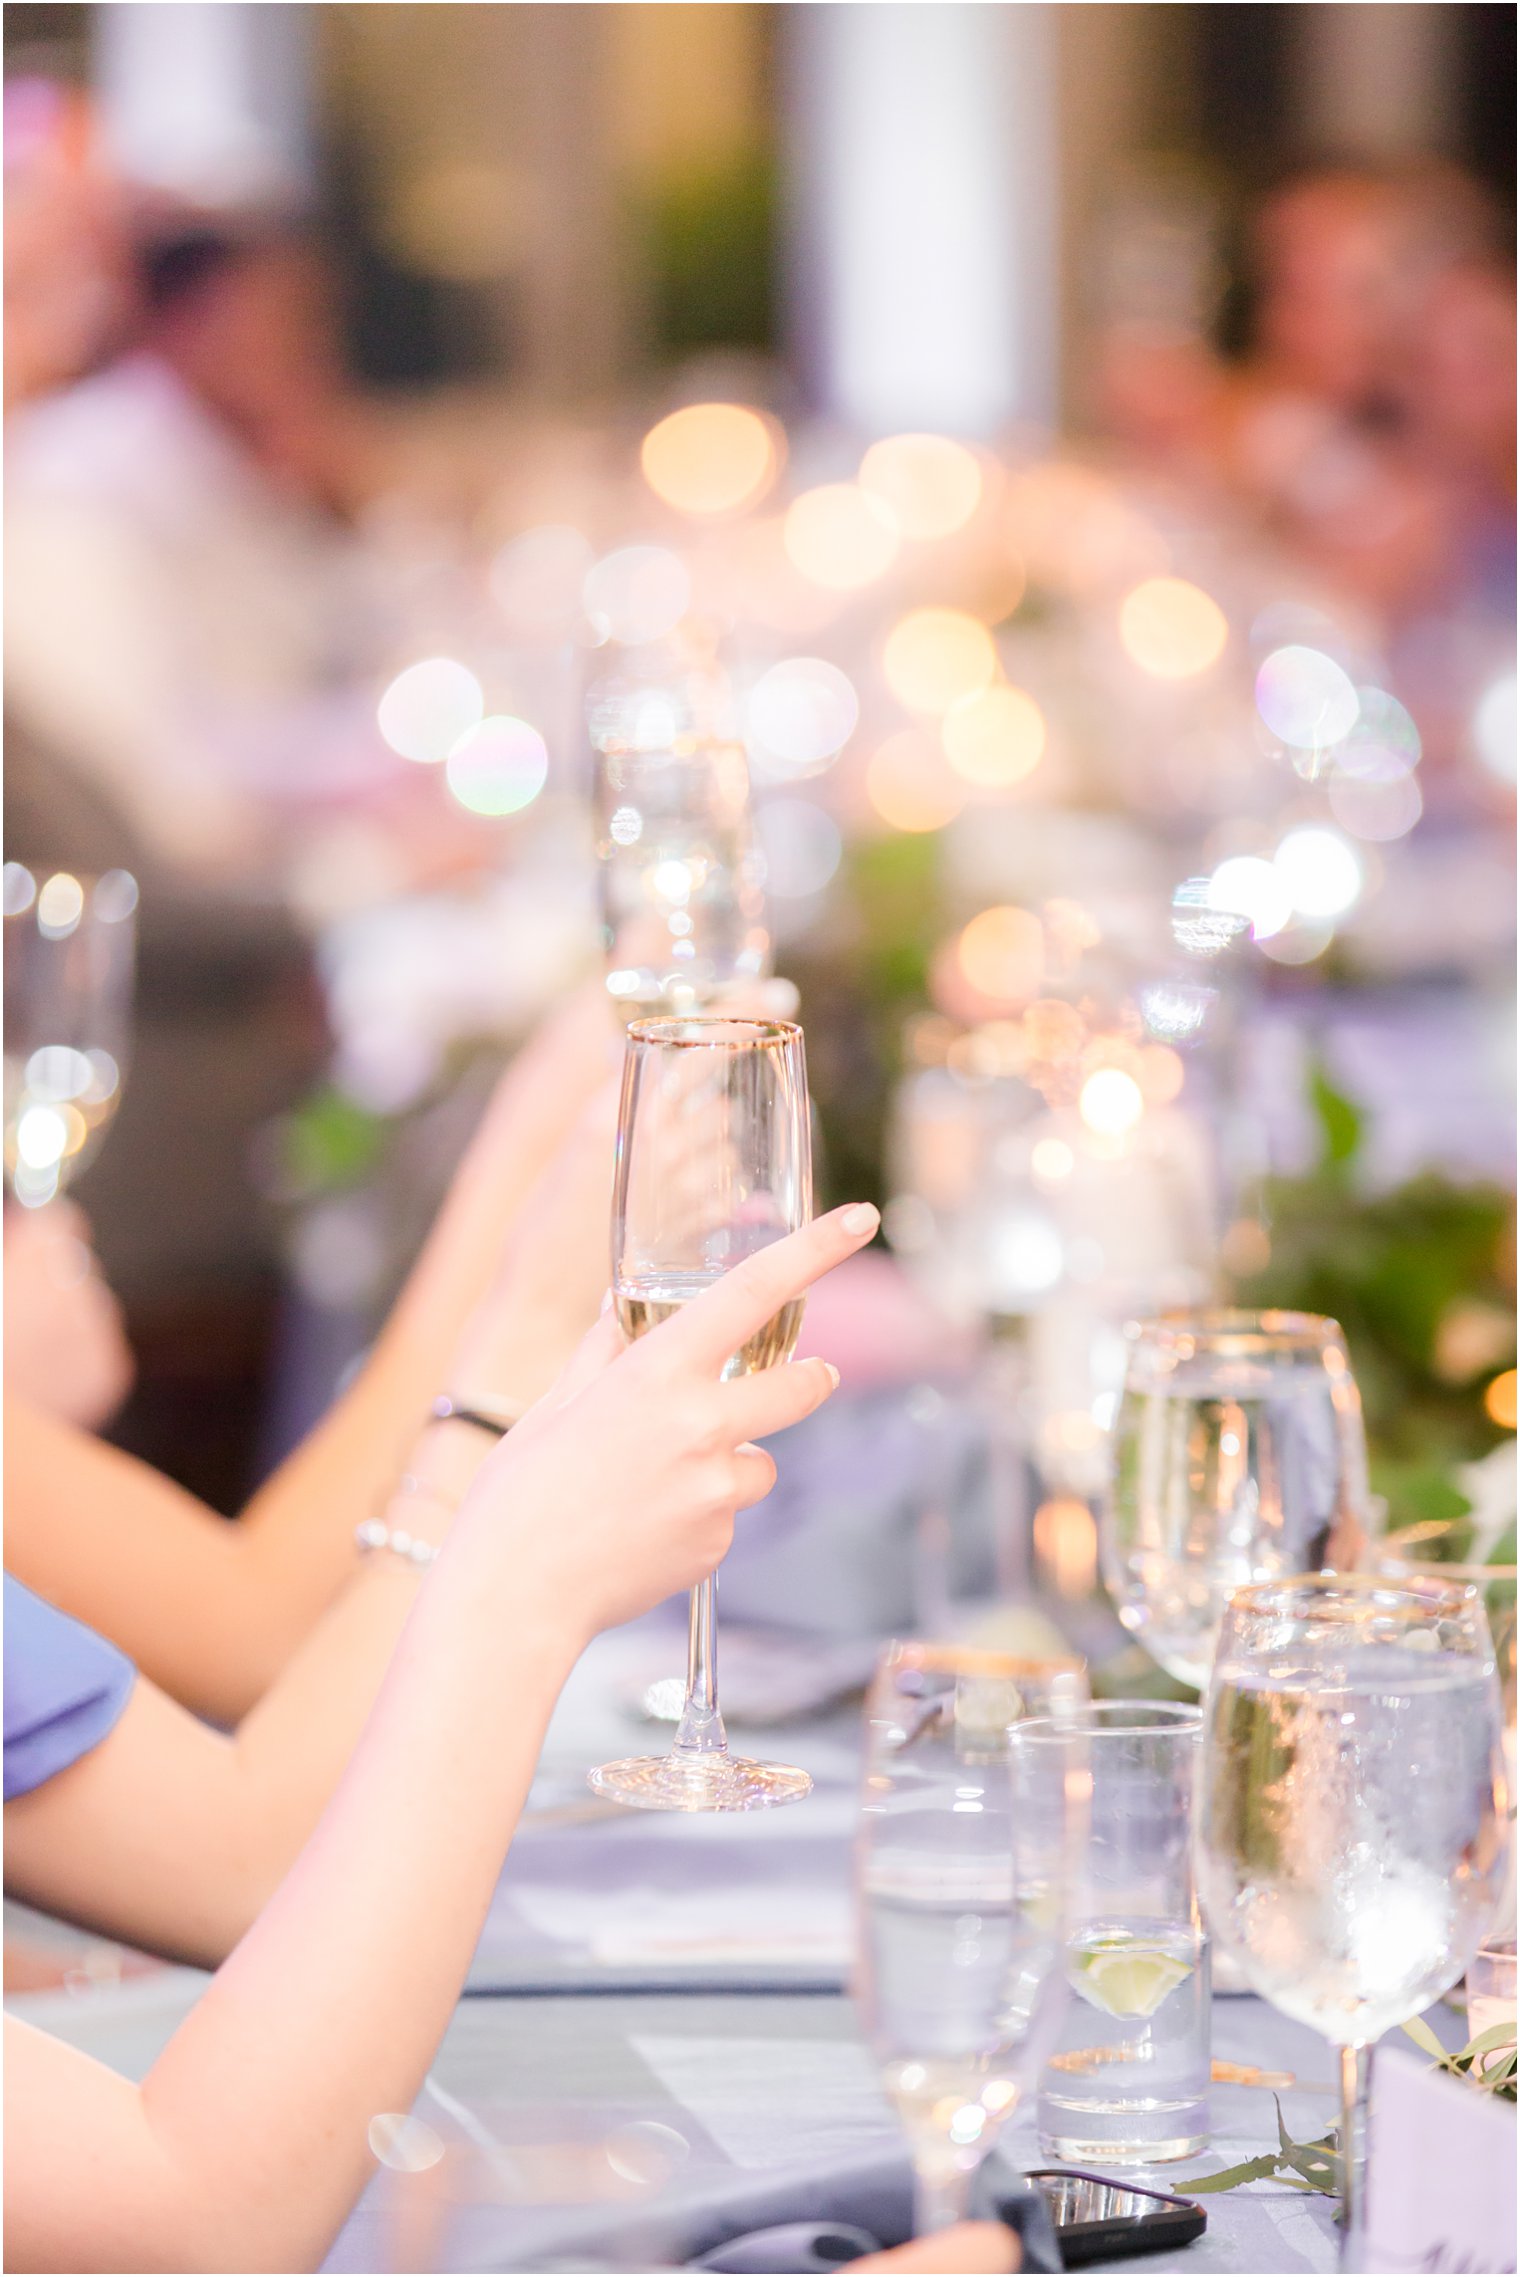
{"x":700,"y":1731}
{"x":1356,"y":2079}
{"x":941,"y":2194}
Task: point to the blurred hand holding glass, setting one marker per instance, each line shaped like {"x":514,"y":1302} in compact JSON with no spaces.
{"x":1351,"y":1842}
{"x":69,"y":947}
{"x":713,"y":1163}
{"x":1239,"y":1456}
{"x":958,"y":1946}
{"x":1136,"y":1954}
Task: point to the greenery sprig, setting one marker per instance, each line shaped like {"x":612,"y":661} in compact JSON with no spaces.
{"x":1487,"y":2061}
{"x":1312,"y":2166}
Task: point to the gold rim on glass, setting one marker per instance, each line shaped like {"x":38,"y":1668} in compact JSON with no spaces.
{"x":680,"y":1031}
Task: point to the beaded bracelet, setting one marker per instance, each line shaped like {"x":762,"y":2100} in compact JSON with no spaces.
{"x":374,"y":1534}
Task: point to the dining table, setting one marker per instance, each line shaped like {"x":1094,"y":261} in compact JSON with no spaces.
{"x":656,"y":2052}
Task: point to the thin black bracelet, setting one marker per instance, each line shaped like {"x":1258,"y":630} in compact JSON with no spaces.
{"x":447,"y":1410}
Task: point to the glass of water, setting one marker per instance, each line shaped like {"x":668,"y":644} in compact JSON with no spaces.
{"x":1238,"y":1456}
{"x":958,"y":1946}
{"x":1351,"y":1839}
{"x":1128,"y":2082}
{"x":680,"y":874}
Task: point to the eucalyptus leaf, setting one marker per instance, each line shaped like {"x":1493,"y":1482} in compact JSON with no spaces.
{"x":1423,"y":2037}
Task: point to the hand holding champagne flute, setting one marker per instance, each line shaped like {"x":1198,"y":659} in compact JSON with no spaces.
{"x":713,"y":1167}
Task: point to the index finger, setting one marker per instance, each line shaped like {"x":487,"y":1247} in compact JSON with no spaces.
{"x":709,"y":1330}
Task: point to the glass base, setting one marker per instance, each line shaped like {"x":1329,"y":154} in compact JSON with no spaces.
{"x":1097,"y":2149}
{"x":698,"y":1783}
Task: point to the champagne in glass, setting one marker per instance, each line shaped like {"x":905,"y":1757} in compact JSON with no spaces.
{"x":713,"y":1163}
{"x":1238,"y":1457}
{"x":1352,"y":1843}
{"x":958,"y":1950}
{"x":69,"y":946}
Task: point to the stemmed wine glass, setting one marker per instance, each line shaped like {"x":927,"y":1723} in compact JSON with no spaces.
{"x":1351,"y":1830}
{"x":959,"y":1977}
{"x":713,"y":1163}
{"x":679,"y":870}
{"x":69,"y":947}
{"x":1238,"y":1456}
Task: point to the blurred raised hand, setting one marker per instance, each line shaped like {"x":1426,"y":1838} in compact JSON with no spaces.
{"x":66,"y":1350}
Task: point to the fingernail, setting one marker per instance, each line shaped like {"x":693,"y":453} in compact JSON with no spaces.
{"x":780,"y":998}
{"x":861,"y":1217}
{"x":606,"y":1303}
{"x":833,"y":1373}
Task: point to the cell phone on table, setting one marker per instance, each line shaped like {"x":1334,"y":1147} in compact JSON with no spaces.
{"x":1097,"y":2219}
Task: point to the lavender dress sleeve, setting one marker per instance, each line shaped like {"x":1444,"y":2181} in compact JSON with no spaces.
{"x":64,"y":1689}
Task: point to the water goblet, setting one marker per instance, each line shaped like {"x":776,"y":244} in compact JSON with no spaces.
{"x":713,"y":1163}
{"x":958,"y":1945}
{"x":1351,"y":1824}
{"x":1238,"y":1456}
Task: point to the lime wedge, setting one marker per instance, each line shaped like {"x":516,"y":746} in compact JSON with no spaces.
{"x":1130,"y":1980}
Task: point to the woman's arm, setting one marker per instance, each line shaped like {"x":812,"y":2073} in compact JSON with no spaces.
{"x":247,"y":2142}
{"x":212,"y":1611}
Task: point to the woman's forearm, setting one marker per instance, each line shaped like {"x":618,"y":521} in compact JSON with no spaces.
{"x":248,"y":2141}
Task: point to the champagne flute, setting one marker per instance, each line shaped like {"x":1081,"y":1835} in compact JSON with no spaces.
{"x":679,"y":870}
{"x":69,"y":949}
{"x":713,"y":1163}
{"x":1239,"y":1456}
{"x":1351,"y":1834}
{"x":958,"y":1977}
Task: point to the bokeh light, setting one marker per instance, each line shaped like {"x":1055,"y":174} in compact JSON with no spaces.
{"x":840,"y":537}
{"x":428,"y":707}
{"x":498,"y":767}
{"x":1306,"y":699}
{"x":935,"y":656}
{"x":1378,"y":798}
{"x":1051,"y":1160}
{"x":1251,"y":888}
{"x":406,"y":2144}
{"x":60,"y":905}
{"x":932,"y":485}
{"x":1002,"y":953}
{"x":1494,"y":728}
{"x":1499,"y":1401}
{"x":909,"y":785}
{"x":994,"y":738}
{"x":709,"y":458}
{"x":637,"y":594}
{"x":1320,"y":869}
{"x":537,"y":579}
{"x":802,"y":847}
{"x":20,"y":888}
{"x":1172,"y":629}
{"x":116,"y":896}
{"x":800,"y":715}
{"x":1111,"y":1102}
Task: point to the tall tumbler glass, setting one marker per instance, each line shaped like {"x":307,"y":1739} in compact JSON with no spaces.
{"x":1239,"y":1456}
{"x":1351,"y":1837}
{"x":680,"y":874}
{"x":958,"y":1943}
{"x":69,"y":956}
{"x":713,"y":1163}
{"x":1128,"y":2083}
